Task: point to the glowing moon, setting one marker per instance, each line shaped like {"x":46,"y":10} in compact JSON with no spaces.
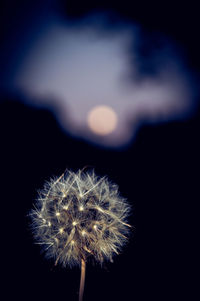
{"x":102,"y":120}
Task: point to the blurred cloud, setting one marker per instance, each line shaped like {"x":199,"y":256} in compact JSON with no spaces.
{"x":72,"y":69}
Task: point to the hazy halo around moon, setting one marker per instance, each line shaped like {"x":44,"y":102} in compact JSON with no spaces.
{"x":102,"y":120}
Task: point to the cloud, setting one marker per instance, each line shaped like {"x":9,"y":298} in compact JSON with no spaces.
{"x":72,"y":69}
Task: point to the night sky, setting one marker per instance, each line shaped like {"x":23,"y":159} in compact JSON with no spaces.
{"x":158,"y":172}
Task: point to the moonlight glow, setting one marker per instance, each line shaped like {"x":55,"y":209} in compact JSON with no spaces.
{"x":74,"y":70}
{"x":102,"y":120}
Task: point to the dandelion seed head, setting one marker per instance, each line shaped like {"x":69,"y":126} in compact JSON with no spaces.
{"x":70,"y":231}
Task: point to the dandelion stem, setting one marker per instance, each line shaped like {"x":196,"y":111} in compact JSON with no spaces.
{"x":82,"y":280}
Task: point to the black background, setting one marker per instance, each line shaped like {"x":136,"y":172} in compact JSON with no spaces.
{"x":158,"y":173}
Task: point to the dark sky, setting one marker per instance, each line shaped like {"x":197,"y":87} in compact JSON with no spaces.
{"x":158,"y":173}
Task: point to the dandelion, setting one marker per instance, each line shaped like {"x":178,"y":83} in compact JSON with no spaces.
{"x":78,"y":217}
